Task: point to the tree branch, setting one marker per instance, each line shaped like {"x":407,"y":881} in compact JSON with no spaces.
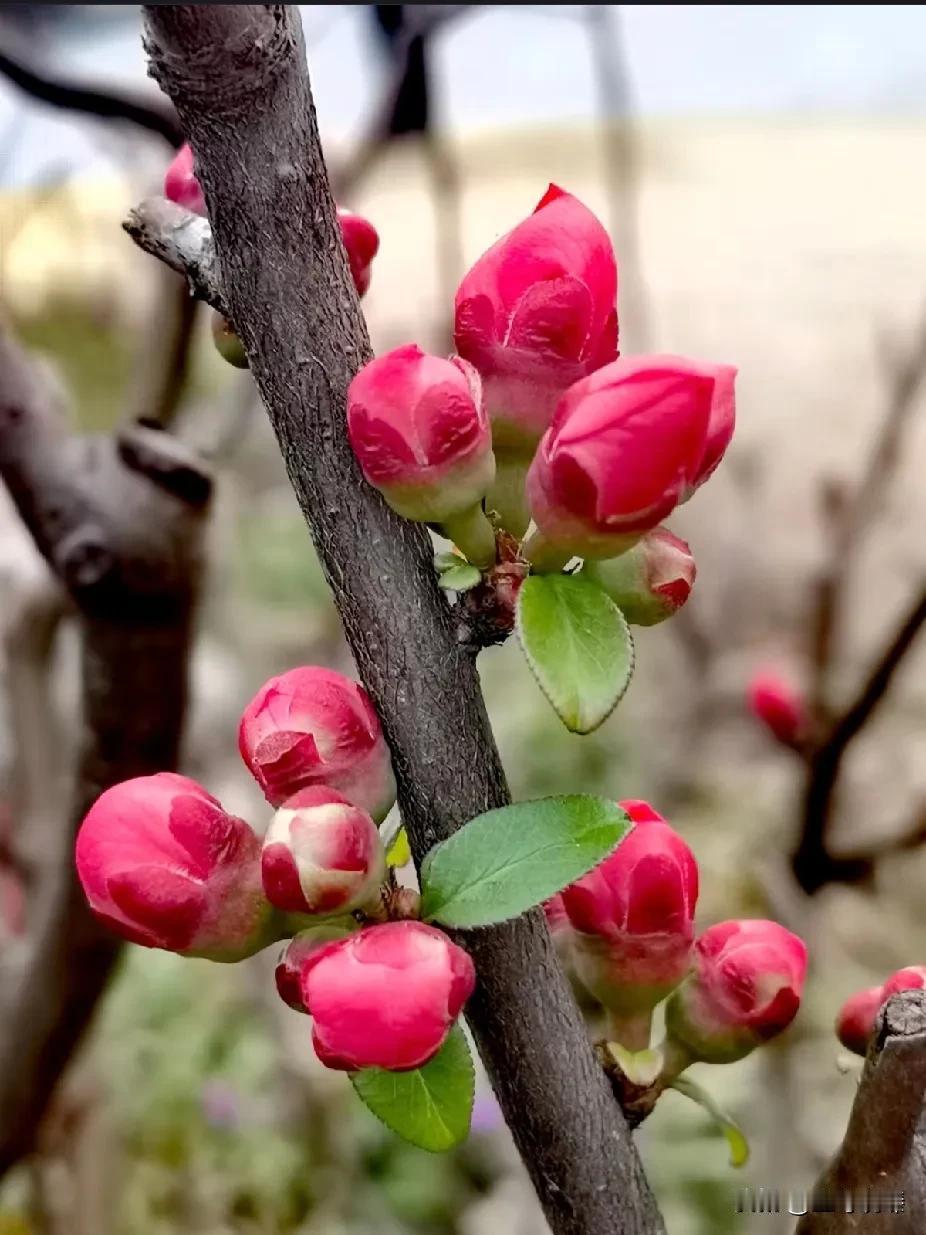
{"x":237,"y":76}
{"x":850,"y":514}
{"x":120,"y":521}
{"x":153,"y":115}
{"x":814,"y":866}
{"x":882,"y":1154}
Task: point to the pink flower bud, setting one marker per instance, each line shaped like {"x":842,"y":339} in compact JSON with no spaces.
{"x":288,"y":972}
{"x":633,"y":915}
{"x":180,"y":183}
{"x":855,"y":1023}
{"x":555,"y":913}
{"x":361,"y":240}
{"x":163,"y":865}
{"x":856,"y":1020}
{"x":626,"y":445}
{"x":321,"y":855}
{"x":419,"y":430}
{"x":537,"y":312}
{"x":313,"y":726}
{"x":778,"y":704}
{"x":912,"y":978}
{"x":651,"y":581}
{"x":360,"y":237}
{"x":745,"y":987}
{"x":386,"y":997}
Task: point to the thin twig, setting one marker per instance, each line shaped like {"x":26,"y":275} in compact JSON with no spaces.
{"x":813,"y":864}
{"x":851,"y":515}
{"x":155,"y":115}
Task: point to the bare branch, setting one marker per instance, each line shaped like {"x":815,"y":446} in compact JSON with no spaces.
{"x":237,"y":75}
{"x":121,"y":523}
{"x":813,"y":865}
{"x":882,"y":1153}
{"x":852,"y":514}
{"x":154,"y":115}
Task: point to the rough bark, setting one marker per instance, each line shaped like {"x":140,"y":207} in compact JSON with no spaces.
{"x":120,"y":522}
{"x":882,"y":1156}
{"x":237,"y":76}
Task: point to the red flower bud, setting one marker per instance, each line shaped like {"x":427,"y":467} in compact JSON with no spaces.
{"x":855,"y":1023}
{"x":163,"y":865}
{"x":321,"y":855}
{"x":912,"y":978}
{"x":361,"y":240}
{"x":778,"y":704}
{"x":386,"y":997}
{"x":633,"y":915}
{"x":651,"y":581}
{"x":419,"y":430}
{"x":537,"y":312}
{"x":555,"y":913}
{"x":288,"y":972}
{"x":745,"y":987}
{"x":626,"y":445}
{"x":313,"y":726}
{"x":856,"y":1020}
{"x":180,"y":183}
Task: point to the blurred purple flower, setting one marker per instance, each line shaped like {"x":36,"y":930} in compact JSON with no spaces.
{"x":487,"y":1115}
{"x":219,"y":1104}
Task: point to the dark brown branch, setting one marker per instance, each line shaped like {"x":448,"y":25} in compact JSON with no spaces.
{"x":121,"y":523}
{"x":883,"y":1149}
{"x":237,"y":75}
{"x":421,"y":22}
{"x":813,"y":864}
{"x":848,"y":515}
{"x":154,"y":115}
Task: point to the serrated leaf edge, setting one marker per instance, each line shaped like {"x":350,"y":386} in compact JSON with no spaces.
{"x":429,"y":915}
{"x":471,"y":1075}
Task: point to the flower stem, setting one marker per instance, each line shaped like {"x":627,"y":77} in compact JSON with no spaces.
{"x":508,"y":495}
{"x":473,"y":535}
{"x":631,"y":1030}
{"x":676,"y":1058}
{"x":544,"y":558}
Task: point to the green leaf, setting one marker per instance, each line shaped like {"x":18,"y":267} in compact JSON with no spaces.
{"x":430,"y":1107}
{"x":505,"y":861}
{"x":446,"y":561}
{"x":736,"y":1139}
{"x":460,"y":578}
{"x":578,"y":646}
{"x":399,"y":853}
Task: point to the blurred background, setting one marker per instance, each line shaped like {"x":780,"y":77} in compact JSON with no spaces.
{"x":761,"y":168}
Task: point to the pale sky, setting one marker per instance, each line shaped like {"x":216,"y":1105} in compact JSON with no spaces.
{"x":510,"y":66}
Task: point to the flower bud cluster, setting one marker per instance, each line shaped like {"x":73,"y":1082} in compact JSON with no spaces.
{"x":632,"y":943}
{"x":164,"y":865}
{"x":538,"y":424}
